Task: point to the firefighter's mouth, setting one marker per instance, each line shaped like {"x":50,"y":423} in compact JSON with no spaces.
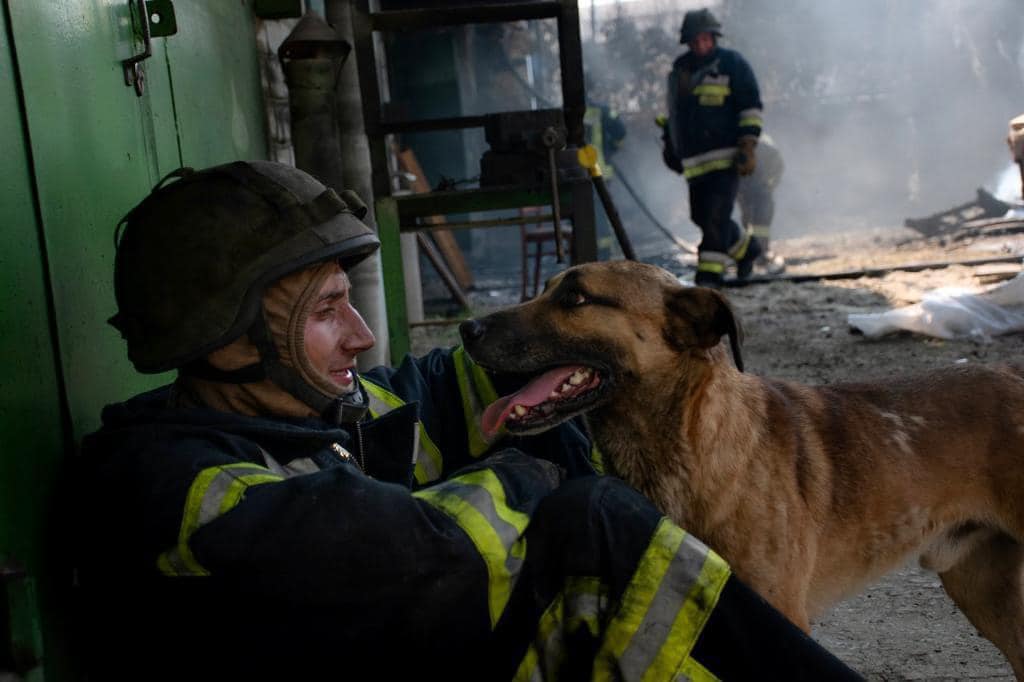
{"x":547,"y":400}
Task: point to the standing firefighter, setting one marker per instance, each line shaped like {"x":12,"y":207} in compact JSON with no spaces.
{"x":756,"y":198}
{"x":713,"y":126}
{"x":272,"y":514}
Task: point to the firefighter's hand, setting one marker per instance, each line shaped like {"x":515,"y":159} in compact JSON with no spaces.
{"x":671,"y":160}
{"x":746,"y":160}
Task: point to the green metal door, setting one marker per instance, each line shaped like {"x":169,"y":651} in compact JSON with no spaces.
{"x":80,"y":149}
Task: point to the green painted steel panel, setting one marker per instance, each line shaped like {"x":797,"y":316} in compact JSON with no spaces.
{"x":216,"y":83}
{"x":31,"y":429}
{"x":97,"y":150}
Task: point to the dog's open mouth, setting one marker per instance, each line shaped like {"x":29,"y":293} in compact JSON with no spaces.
{"x":546,"y":400}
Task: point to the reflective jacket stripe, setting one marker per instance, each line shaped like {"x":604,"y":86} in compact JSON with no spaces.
{"x":701,"y":164}
{"x":712,"y":261}
{"x":476,"y":502}
{"x":427,"y":456}
{"x":761,"y":231}
{"x":580,"y":605}
{"x":664,"y":608}
{"x":477,"y":393}
{"x":693,"y":671}
{"x":712,"y":89}
{"x":214,"y":491}
{"x":739,"y":249}
{"x":751,"y":118}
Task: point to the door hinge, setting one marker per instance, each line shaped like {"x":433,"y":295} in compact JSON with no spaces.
{"x":155,"y":19}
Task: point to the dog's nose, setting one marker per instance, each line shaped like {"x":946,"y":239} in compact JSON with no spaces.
{"x":471,"y":330}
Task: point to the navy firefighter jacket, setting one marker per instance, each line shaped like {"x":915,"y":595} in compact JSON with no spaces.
{"x":712,"y":101}
{"x":179,"y":507}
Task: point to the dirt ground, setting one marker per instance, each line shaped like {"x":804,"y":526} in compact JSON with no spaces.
{"x":905,"y":627}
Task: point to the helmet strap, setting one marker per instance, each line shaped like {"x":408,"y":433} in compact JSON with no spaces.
{"x":345,"y":409}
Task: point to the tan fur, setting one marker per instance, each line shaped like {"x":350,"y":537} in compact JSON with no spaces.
{"x":809,"y":492}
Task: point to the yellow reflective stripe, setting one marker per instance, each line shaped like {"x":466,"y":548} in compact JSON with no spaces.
{"x":707,"y":167}
{"x":382,"y":400}
{"x":712,"y":89}
{"x":213,"y":492}
{"x":710,"y":266}
{"x":761,"y":231}
{"x":580,"y":604}
{"x":693,"y":671}
{"x":751,"y":123}
{"x":739,"y":249}
{"x":476,"y":502}
{"x":597,"y":459}
{"x":429,"y":463}
{"x":477,"y":393}
{"x":427,"y":458}
{"x":664,"y":608}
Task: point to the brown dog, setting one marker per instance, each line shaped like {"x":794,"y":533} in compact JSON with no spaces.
{"x":808,"y":492}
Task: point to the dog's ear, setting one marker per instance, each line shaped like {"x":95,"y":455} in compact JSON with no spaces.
{"x":698,"y":316}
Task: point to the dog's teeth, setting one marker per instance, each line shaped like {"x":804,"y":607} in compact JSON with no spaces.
{"x":577,"y":378}
{"x":519,"y":410}
{"x":565,"y":387}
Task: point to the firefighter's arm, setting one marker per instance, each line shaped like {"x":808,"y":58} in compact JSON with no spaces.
{"x":746,"y":98}
{"x":345,"y":546}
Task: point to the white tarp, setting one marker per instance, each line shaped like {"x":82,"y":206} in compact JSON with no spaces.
{"x":950,"y":313}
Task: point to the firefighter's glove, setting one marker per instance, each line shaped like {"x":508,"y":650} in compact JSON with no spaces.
{"x":671,"y":160}
{"x":746,"y":160}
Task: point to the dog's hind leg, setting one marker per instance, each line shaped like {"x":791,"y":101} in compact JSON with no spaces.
{"x":987,"y":583}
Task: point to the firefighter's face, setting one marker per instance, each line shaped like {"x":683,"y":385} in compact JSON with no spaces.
{"x":702,"y":45}
{"x":335,"y":332}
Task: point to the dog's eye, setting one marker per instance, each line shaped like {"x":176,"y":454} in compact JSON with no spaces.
{"x":576,"y":298}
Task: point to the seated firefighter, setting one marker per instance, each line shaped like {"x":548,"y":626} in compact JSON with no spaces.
{"x":272,"y":512}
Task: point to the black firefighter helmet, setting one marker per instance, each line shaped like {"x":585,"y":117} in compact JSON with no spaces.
{"x":699,"y":21}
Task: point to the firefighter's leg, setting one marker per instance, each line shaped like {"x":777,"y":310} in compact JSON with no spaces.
{"x":705,"y":212}
{"x":611,"y":589}
{"x":758,"y":204}
{"x":739,"y":244}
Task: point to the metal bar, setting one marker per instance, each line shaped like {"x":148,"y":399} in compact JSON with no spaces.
{"x":430,"y":124}
{"x":471,"y":224}
{"x":613,"y":217}
{"x":870,"y":272}
{"x":410,"y":20}
{"x":366,"y":62}
{"x":442,"y":269}
{"x":584,"y":232}
{"x":472,"y":200}
{"x":438,"y":323}
{"x":394,"y":278}
{"x":570,"y":58}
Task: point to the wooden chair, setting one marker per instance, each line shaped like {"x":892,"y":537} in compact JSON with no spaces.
{"x":542,"y":238}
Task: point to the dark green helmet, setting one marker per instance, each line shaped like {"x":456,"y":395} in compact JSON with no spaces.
{"x":699,"y":21}
{"x":194,"y":257}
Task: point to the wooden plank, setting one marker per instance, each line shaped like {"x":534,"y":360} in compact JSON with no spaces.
{"x":444,"y":239}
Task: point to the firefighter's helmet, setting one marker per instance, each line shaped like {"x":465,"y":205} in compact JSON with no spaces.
{"x":194,"y":257}
{"x":698,"y":21}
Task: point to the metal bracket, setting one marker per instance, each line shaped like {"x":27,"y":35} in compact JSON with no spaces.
{"x":156,"y":19}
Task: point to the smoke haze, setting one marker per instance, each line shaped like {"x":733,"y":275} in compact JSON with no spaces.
{"x":882,"y":110}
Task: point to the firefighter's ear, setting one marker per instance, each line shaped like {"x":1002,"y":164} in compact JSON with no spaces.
{"x":698,"y":316}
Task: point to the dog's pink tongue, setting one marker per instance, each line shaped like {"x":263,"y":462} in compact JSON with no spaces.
{"x":534,"y":393}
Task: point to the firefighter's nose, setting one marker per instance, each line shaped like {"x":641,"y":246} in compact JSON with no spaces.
{"x":471,"y":330}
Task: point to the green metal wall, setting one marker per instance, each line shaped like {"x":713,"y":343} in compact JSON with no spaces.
{"x":80,"y":149}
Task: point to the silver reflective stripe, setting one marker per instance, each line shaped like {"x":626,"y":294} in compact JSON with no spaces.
{"x":713,"y":155}
{"x":482,"y":500}
{"x":679,"y":578}
{"x":715,"y":257}
{"x":296,"y":467}
{"x":753,"y":112}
